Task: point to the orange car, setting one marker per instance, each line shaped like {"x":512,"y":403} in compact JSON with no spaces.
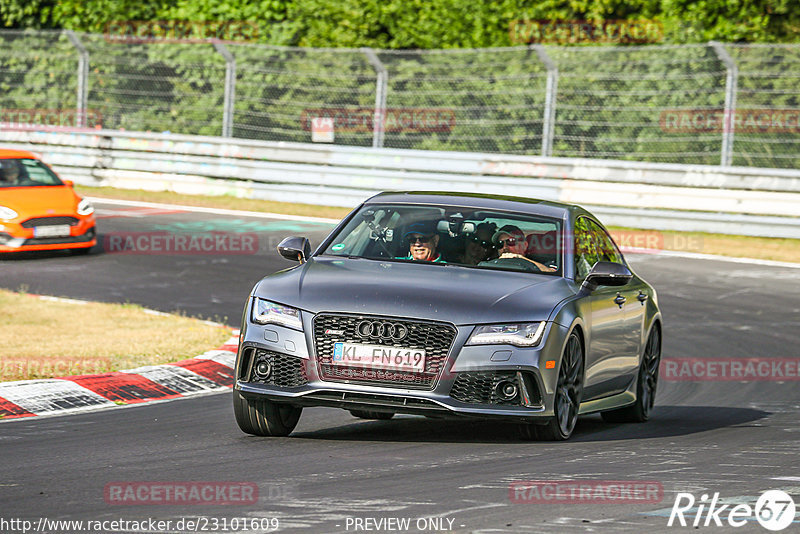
{"x":39,"y":211}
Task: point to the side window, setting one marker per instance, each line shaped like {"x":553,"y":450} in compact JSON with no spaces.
{"x":585,"y":253}
{"x":35,"y":171}
{"x":606,"y":249}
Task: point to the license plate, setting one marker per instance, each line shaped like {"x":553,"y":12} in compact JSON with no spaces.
{"x":379,"y":357}
{"x":61,"y":230}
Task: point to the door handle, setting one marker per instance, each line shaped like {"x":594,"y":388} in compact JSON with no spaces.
{"x":642,"y":297}
{"x":619,"y":299}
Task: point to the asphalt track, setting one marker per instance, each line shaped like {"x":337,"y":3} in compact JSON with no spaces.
{"x":735,"y":438}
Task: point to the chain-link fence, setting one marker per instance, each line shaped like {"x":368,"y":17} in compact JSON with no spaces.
{"x":706,"y":104}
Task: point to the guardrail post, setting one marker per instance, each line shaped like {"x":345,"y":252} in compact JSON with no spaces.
{"x":731,"y":82}
{"x":381,"y":86}
{"x":83,"y":78}
{"x":549,"y":121}
{"x":229,"y":98}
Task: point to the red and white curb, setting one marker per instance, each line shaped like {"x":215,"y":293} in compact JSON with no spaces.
{"x":209,"y":372}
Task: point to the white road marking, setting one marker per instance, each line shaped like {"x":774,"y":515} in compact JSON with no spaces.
{"x":215,"y":211}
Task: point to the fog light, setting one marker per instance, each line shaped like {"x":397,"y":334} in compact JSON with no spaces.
{"x":507,"y":390}
{"x":263,"y":370}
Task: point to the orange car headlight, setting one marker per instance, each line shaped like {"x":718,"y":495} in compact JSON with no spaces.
{"x":6,"y":214}
{"x":85,"y":207}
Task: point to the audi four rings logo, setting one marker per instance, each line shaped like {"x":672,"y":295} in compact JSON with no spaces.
{"x":382,"y":330}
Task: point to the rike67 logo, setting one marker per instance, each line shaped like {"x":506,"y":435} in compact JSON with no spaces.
{"x":774,"y":510}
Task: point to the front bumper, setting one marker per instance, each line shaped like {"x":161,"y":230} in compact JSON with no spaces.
{"x":298,"y":380}
{"x":16,"y":238}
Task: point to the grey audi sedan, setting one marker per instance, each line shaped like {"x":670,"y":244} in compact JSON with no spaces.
{"x":452,"y":305}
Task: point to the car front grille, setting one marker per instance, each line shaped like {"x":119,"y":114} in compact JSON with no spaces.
{"x":435,"y":338}
{"x":49,"y":221}
{"x":482,"y":388}
{"x":285,"y":371}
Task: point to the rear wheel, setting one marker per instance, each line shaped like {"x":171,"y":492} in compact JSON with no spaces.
{"x":262,"y":417}
{"x":369,"y":414}
{"x":639,"y":412}
{"x":569,"y":391}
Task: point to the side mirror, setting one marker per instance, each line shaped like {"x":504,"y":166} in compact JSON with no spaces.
{"x":295,"y":249}
{"x":69,"y":183}
{"x":606,"y":273}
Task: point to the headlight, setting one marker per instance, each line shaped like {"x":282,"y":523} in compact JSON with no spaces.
{"x":266,"y":312}
{"x":85,"y":207}
{"x":7,"y":213}
{"x":520,"y":335}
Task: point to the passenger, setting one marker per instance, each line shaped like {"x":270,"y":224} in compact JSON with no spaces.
{"x":479,"y":247}
{"x":422,"y":241}
{"x":512,"y":243}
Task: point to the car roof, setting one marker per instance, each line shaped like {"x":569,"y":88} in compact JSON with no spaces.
{"x":482,"y":201}
{"x":6,"y":153}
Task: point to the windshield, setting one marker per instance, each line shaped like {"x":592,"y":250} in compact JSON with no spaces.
{"x":26,"y":172}
{"x":449,"y":235}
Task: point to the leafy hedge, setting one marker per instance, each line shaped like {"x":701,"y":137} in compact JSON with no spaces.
{"x":403,"y":24}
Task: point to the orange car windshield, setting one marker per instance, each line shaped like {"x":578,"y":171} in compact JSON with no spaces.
{"x":16,"y":172}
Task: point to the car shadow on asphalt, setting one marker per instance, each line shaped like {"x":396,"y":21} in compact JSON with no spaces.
{"x":666,"y":421}
{"x":39,"y":255}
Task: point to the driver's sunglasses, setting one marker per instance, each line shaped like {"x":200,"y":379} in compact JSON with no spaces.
{"x":510,"y":242}
{"x":419,"y":238}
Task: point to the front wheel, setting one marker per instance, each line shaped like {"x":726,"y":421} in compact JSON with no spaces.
{"x":639,"y":412}
{"x":569,"y":391}
{"x":262,"y":417}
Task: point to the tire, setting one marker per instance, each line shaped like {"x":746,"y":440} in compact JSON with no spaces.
{"x":569,"y":392}
{"x":647,"y":382}
{"x":80,"y":251}
{"x":369,"y":414}
{"x":261,"y":417}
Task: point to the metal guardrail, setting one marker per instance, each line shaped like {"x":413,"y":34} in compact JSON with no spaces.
{"x":732,"y":200}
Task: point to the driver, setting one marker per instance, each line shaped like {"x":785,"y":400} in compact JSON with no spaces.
{"x":512,"y":243}
{"x":422,"y":241}
{"x":9,"y":172}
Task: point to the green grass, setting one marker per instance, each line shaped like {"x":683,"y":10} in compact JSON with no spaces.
{"x":52,"y":338}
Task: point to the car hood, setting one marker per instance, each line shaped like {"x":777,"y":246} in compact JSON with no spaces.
{"x":437,"y":292}
{"x":39,"y":200}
